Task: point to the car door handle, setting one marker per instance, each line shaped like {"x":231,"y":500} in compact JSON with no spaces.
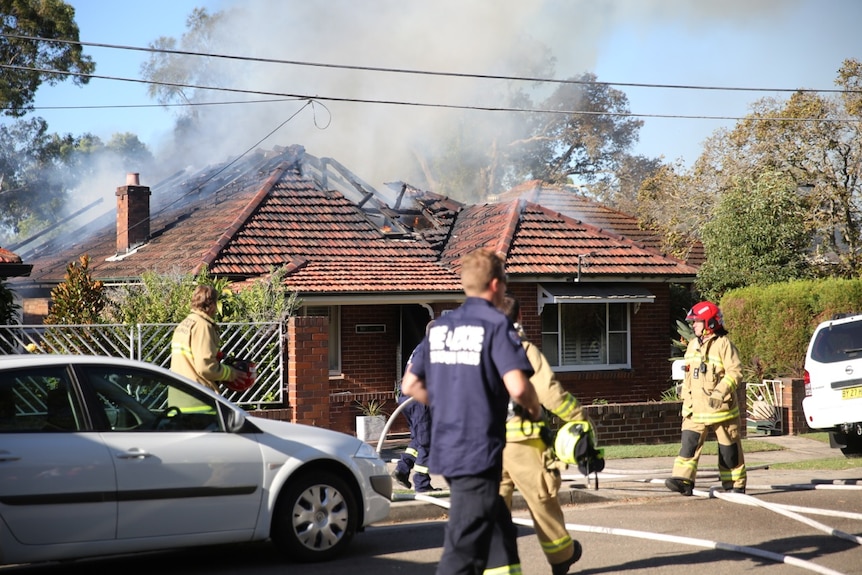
{"x":134,"y":453}
{"x":6,"y":456}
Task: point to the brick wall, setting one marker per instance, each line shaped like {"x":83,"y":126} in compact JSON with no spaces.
{"x":792,"y":394}
{"x":308,"y":370}
{"x":636,"y":423}
{"x":649,"y":375}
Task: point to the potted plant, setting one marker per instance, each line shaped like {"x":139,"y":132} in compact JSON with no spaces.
{"x":371,"y":419}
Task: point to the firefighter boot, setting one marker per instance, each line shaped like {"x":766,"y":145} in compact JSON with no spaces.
{"x":683,"y":486}
{"x":563,"y":568}
{"x":401,"y":479}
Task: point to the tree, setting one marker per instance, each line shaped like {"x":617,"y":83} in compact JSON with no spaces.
{"x":812,"y":140}
{"x":79,"y":298}
{"x":31,"y":186}
{"x":166,"y":70}
{"x":587,"y":145}
{"x":669,"y":204}
{"x":756,"y":236}
{"x":46,"y":20}
{"x":40,"y":172}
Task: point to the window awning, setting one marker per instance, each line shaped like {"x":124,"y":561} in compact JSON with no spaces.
{"x":593,"y":293}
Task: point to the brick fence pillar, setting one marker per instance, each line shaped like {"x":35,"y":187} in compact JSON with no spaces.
{"x":308,"y":370}
{"x":792,"y":394}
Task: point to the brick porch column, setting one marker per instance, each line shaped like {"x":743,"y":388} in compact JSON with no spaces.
{"x":308,"y":370}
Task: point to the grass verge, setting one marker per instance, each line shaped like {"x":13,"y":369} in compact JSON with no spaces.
{"x":834,"y":462}
{"x":671,"y":449}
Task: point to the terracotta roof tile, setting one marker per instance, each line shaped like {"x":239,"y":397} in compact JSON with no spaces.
{"x":570,"y":202}
{"x":272,"y":209}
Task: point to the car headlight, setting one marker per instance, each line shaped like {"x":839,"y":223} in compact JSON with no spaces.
{"x":365,"y":451}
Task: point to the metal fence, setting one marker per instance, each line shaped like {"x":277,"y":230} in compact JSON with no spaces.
{"x":261,"y":343}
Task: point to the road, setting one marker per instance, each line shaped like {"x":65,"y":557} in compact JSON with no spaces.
{"x":616,"y":534}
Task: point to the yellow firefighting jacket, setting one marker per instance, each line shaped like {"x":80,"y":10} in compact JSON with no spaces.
{"x":551,"y":395}
{"x":194,"y":351}
{"x":712,"y":368}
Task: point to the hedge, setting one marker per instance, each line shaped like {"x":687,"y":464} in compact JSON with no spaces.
{"x":771,"y":325}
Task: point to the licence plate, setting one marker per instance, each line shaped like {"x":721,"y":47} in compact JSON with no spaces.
{"x":851,"y":393}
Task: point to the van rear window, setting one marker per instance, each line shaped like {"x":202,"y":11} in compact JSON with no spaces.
{"x":838,"y":343}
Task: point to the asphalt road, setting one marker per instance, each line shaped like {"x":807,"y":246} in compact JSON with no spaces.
{"x":631,"y":524}
{"x":632,"y":534}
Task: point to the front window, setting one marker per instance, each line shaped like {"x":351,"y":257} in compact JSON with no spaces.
{"x":331,"y":312}
{"x":586,"y":336}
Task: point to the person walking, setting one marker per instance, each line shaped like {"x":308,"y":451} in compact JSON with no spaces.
{"x":529,"y":464}
{"x":195,"y":345}
{"x":466,"y":369}
{"x":712,"y":374}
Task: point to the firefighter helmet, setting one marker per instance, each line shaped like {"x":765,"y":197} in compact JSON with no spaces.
{"x":575,"y":444}
{"x":708,"y":313}
{"x":246,"y":379}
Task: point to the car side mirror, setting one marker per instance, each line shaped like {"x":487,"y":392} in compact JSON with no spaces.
{"x":234,"y":420}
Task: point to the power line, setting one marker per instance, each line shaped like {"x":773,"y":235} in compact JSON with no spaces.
{"x":318,"y":97}
{"x":427,"y":72}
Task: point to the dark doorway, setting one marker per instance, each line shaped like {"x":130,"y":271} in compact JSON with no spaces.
{"x":414,"y":318}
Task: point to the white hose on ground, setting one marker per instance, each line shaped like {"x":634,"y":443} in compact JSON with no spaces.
{"x":749,"y":500}
{"x":390,"y":421}
{"x":777,"y":557}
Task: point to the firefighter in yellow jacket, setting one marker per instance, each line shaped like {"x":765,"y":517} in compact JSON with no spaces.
{"x":709,"y":402}
{"x":195,"y":344}
{"x":529,"y":464}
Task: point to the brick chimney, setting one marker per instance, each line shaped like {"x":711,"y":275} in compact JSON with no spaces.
{"x":133,"y":214}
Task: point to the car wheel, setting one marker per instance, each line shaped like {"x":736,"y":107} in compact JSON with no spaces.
{"x":315,"y":517}
{"x":852,"y":445}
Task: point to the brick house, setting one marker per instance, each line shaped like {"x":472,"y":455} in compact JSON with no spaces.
{"x":377,"y":264}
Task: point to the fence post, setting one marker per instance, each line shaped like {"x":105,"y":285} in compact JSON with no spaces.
{"x":308,"y":370}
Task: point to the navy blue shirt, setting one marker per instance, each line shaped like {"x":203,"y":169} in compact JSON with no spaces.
{"x":462,"y":361}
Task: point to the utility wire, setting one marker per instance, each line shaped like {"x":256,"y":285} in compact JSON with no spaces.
{"x":426,"y":72}
{"x":409,"y":103}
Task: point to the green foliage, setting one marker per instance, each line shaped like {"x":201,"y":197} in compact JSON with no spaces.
{"x":772,"y":325}
{"x":46,"y":20}
{"x":756,"y":236}
{"x":266,"y":299}
{"x":78,"y":299}
{"x":158,"y":298}
{"x":371,"y":407}
{"x":165,"y":298}
{"x":670,"y":394}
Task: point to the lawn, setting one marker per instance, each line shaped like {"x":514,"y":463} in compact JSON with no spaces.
{"x":836,"y":461}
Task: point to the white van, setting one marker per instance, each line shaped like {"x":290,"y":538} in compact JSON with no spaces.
{"x":833,"y":382}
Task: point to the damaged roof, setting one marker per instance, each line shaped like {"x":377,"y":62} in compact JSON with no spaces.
{"x":570,"y":202}
{"x":337,"y":235}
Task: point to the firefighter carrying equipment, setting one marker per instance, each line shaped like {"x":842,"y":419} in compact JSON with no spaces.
{"x":576,"y":444}
{"x":248,"y":373}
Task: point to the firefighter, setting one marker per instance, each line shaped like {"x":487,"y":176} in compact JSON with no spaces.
{"x":529,"y":462}
{"x":709,"y":402}
{"x":195,"y":344}
{"x":415,"y":457}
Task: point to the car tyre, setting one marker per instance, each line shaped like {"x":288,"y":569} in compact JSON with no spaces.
{"x":852,"y":444}
{"x":315,"y":517}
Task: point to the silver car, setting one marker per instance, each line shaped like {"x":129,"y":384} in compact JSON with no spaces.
{"x":101,"y":455}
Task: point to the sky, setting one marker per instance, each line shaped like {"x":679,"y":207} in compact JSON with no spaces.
{"x":768,"y":45}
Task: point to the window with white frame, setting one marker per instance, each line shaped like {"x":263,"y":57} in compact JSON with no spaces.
{"x":333,"y":313}
{"x":586,"y":326}
{"x":587,"y":336}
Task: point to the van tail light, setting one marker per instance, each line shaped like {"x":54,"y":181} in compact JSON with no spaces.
{"x":806,"y":379}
